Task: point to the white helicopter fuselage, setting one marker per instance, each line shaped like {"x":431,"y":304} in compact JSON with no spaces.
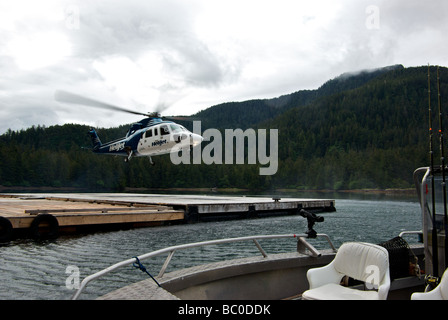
{"x":166,"y":138}
{"x":161,"y":137}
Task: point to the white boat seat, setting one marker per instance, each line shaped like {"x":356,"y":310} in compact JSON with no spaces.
{"x":438,"y":293}
{"x":361,"y":261}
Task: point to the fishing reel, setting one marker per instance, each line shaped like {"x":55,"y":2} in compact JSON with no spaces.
{"x":312,"y":219}
{"x":431,"y":282}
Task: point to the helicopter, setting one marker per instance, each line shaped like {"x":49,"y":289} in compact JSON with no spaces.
{"x":151,"y":136}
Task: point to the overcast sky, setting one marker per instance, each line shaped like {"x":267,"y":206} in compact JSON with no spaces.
{"x":193,"y":54}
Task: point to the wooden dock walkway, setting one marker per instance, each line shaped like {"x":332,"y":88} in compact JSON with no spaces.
{"x":47,"y":214}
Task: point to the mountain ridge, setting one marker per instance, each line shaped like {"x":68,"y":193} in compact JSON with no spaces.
{"x":225,"y":115}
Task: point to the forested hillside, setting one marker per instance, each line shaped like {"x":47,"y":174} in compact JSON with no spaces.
{"x":365,"y":130}
{"x":373,"y":136}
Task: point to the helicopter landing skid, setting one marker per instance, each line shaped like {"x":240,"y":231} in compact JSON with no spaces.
{"x":128,"y":158}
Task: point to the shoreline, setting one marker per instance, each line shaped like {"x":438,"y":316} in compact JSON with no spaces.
{"x":388,"y":191}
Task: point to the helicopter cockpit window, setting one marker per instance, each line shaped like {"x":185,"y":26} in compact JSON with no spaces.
{"x":164,"y":130}
{"x":176,"y":128}
{"x":148,"y":134}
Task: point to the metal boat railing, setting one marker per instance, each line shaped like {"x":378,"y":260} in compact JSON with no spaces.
{"x":403,"y":233}
{"x":302,"y":245}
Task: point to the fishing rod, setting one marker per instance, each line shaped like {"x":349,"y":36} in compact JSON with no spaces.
{"x":442,"y":159}
{"x":435,"y":256}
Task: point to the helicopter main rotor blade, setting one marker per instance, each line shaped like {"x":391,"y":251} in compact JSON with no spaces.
{"x":64,"y":96}
{"x":180,"y":118}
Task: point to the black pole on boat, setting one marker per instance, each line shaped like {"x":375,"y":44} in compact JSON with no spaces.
{"x":435,"y":256}
{"x":442,"y":159}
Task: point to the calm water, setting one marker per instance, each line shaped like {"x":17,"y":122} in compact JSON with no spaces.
{"x":31,"y":270}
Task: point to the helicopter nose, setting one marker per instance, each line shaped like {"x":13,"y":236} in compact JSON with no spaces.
{"x":195,"y":139}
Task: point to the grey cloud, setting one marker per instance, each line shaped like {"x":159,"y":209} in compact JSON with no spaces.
{"x":410,"y":32}
{"x":133,"y":28}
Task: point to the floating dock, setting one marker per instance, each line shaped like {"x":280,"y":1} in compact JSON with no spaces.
{"x":40,"y":214}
